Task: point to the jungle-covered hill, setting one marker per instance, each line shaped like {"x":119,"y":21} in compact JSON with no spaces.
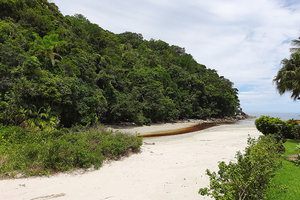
{"x":65,"y":70}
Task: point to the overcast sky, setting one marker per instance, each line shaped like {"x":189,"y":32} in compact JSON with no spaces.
{"x":244,"y":40}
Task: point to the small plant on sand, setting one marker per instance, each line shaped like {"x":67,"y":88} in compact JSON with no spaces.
{"x":249,"y":177}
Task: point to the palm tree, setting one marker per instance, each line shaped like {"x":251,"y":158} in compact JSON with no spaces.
{"x":295,"y":43}
{"x":46,"y":46}
{"x":288,"y":77}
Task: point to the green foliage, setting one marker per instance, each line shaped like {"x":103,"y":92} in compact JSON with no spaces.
{"x":36,"y":153}
{"x":248,"y":178}
{"x":270,"y":125}
{"x":46,"y":46}
{"x":73,"y":71}
{"x":298,"y":147}
{"x":287,"y":78}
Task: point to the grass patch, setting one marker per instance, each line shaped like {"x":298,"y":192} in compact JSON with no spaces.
{"x":286,"y":183}
{"x":45,"y":152}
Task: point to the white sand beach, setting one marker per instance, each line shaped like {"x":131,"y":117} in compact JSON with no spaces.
{"x":172,"y":168}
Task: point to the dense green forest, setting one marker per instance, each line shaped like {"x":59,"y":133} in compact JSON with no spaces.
{"x":65,"y":70}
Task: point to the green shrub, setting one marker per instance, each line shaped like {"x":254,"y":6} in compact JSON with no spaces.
{"x":270,"y":125}
{"x":249,"y":177}
{"x":36,"y":153}
{"x":298,"y":147}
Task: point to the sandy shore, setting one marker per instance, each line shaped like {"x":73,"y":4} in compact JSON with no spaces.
{"x":154,"y":128}
{"x":173,"y":168}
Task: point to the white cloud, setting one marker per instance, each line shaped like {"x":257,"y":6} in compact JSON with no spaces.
{"x":244,"y":40}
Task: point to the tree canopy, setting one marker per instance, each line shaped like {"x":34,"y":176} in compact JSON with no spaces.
{"x":288,"y":77}
{"x":65,"y":70}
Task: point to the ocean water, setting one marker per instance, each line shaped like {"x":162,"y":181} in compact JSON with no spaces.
{"x":282,"y":116}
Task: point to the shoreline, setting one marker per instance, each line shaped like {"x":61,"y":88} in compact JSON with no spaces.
{"x":175,"y":127}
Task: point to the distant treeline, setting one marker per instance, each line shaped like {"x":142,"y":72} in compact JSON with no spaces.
{"x":65,"y":70}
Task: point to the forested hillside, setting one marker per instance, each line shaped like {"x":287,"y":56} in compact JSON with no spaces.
{"x":65,"y":70}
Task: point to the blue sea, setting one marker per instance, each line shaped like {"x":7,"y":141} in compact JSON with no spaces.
{"x":282,"y":116}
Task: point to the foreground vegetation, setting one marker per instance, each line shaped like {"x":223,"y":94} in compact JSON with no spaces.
{"x":60,"y":70}
{"x":28,"y":153}
{"x":261,"y":172}
{"x":248,"y":178}
{"x":285,"y":185}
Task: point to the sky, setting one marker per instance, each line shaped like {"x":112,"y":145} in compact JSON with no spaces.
{"x":244,"y":40}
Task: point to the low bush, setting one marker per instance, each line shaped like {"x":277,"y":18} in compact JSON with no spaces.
{"x":297,"y":147}
{"x":248,"y":178}
{"x":280,"y":129}
{"x":37,"y":153}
